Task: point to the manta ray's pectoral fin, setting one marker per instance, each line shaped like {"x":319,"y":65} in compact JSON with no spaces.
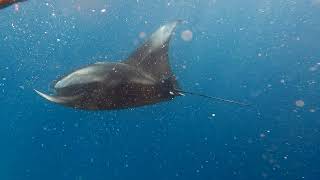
{"x":56,"y":99}
{"x":152,"y":56}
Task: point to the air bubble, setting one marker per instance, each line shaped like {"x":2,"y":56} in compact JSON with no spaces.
{"x":187,"y":35}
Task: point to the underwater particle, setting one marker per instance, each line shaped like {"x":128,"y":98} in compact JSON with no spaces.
{"x":259,"y":54}
{"x":58,"y":40}
{"x":103,"y":10}
{"x":16,"y":7}
{"x":315,"y":67}
{"x":282,"y":81}
{"x":300,"y":103}
{"x":264,"y":175}
{"x":262,"y":135}
{"x":187,"y":35}
{"x":213,"y":115}
{"x":142,"y":35}
{"x":312,"y":110}
{"x":76,"y":125}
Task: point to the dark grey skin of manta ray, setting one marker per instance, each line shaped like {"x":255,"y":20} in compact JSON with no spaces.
{"x":144,"y":78}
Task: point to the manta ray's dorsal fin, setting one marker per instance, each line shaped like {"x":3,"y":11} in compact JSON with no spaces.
{"x":152,"y":56}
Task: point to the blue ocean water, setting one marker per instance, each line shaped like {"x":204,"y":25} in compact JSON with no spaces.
{"x":264,"y":52}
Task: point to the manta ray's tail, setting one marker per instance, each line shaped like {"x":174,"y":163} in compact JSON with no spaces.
{"x":214,"y":98}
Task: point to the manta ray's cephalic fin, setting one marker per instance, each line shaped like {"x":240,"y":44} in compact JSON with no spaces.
{"x":55,"y":99}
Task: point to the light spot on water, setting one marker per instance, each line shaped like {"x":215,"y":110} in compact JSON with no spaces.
{"x":187,"y":35}
{"x":300,"y":103}
{"x":16,"y":7}
{"x":142,"y":35}
{"x":312,"y":110}
{"x":103,"y":10}
{"x":262,"y":135}
{"x":314,"y":67}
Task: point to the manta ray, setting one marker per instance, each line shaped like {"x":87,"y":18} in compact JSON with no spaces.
{"x":144,"y":78}
{"x":6,"y":3}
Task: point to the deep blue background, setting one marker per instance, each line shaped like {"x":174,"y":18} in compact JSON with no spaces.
{"x":254,"y":51}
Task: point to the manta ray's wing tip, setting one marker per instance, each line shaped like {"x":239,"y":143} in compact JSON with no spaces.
{"x":39,"y":93}
{"x":43,"y":95}
{"x":48,"y":97}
